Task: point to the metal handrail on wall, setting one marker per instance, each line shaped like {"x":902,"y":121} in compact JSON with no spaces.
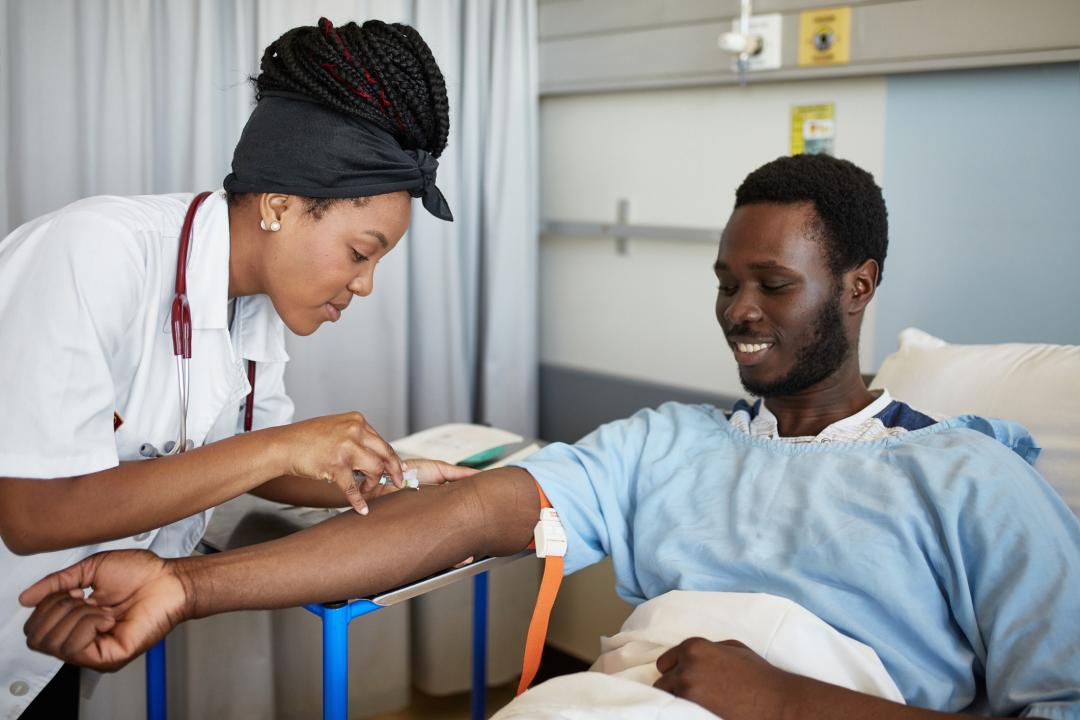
{"x":622,"y":230}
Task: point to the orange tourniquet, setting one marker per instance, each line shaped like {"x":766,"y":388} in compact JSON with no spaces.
{"x":545,"y":599}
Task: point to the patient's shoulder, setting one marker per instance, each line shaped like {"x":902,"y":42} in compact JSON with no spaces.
{"x":994,"y":436}
{"x":670,"y":425}
{"x":689,"y":415}
{"x":969,"y":462}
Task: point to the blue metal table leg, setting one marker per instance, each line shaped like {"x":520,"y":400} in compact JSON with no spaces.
{"x":155,"y":682}
{"x":479,"y":646}
{"x":335,"y":620}
{"x":335,"y":626}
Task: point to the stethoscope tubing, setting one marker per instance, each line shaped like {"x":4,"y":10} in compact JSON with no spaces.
{"x":180,"y":322}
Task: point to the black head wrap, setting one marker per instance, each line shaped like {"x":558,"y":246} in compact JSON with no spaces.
{"x":295,"y":145}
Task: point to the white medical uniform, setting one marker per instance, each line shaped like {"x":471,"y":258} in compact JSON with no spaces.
{"x":85,"y":295}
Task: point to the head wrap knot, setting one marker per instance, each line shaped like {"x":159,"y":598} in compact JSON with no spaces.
{"x":432,"y":197}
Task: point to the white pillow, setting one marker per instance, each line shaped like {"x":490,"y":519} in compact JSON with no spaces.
{"x":1035,"y":385}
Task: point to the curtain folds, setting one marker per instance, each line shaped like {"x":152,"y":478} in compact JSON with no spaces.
{"x":149,"y":96}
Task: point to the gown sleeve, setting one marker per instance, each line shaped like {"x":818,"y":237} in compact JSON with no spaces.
{"x":591,"y":485}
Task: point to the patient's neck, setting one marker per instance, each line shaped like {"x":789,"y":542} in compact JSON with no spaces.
{"x":810,"y":411}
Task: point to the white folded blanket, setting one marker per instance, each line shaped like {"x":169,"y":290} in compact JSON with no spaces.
{"x":619,"y":684}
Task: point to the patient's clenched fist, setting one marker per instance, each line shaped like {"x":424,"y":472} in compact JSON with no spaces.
{"x":726,"y":678}
{"x":136,"y":599}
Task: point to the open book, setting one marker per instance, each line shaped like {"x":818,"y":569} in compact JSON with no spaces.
{"x":465,"y":444}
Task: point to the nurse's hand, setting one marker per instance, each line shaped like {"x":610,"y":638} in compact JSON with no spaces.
{"x":342,"y":449}
{"x":428,"y":472}
{"x":137,"y":600}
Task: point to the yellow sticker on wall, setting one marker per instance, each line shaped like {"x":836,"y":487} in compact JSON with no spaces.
{"x":812,"y":129}
{"x":825,"y":36}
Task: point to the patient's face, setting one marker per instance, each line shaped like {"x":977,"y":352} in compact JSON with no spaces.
{"x":778,"y":302}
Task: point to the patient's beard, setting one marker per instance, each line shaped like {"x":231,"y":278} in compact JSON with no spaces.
{"x":823,"y":354}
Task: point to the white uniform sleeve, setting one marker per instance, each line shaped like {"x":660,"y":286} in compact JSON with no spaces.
{"x":72,"y":293}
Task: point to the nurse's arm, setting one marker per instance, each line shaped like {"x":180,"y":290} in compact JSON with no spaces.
{"x":45,"y":515}
{"x":135,"y":497}
{"x":409,"y":535}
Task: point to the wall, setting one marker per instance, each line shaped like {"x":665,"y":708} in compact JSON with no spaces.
{"x":677,"y":156}
{"x":984,"y":204}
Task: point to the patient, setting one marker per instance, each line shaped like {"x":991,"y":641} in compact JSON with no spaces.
{"x":935,"y":544}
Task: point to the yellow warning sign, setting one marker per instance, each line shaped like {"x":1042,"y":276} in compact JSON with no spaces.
{"x":812,"y":129}
{"x":825,"y":36}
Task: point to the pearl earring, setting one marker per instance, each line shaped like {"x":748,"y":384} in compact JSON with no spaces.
{"x":262,"y":224}
{"x":275,"y":226}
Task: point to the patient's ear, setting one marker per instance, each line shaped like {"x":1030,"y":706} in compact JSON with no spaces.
{"x":860,"y":284}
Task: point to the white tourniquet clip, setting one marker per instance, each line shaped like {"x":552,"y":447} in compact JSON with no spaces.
{"x":549,"y":535}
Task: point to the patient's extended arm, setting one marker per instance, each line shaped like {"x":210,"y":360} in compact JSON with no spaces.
{"x":138,"y":597}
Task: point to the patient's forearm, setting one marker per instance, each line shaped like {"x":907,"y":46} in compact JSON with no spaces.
{"x":407,"y":536}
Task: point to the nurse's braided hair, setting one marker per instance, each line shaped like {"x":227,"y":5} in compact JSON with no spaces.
{"x":383,"y":73}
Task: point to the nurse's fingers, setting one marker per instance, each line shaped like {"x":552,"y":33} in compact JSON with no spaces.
{"x":346,"y":480}
{"x":369,"y":468}
{"x":76,"y":577}
{"x":374,"y":444}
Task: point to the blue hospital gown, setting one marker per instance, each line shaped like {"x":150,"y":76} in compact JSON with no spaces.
{"x":941,"y":548}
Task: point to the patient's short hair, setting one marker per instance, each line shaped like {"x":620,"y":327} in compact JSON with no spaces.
{"x":854,"y":224}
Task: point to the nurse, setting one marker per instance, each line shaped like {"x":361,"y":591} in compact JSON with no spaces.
{"x":93,"y":310}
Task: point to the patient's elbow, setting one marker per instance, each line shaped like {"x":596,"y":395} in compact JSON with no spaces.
{"x":508,"y":506}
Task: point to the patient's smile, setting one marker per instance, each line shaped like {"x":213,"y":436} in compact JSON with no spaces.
{"x":749,"y":353}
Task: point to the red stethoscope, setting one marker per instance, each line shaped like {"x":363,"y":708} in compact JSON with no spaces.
{"x":180,"y":321}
